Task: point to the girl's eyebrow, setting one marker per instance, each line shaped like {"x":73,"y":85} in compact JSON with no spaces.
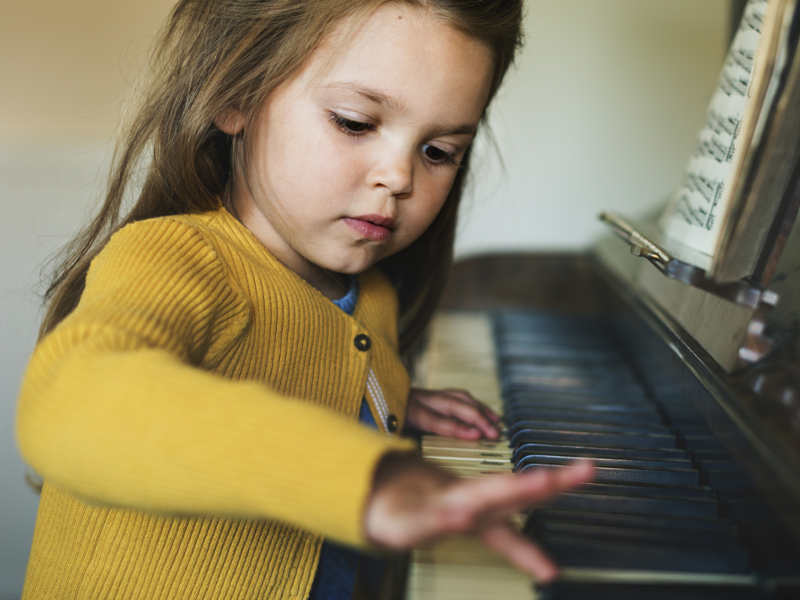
{"x":379,"y":97}
{"x":371,"y":94}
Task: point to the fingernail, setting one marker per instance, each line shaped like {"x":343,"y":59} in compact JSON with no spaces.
{"x":550,"y":576}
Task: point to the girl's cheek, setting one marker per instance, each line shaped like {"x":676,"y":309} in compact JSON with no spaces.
{"x":341,"y":151}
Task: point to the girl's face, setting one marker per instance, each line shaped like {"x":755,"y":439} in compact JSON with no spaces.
{"x":351,"y":159}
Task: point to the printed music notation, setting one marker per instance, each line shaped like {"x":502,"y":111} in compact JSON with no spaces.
{"x":754,"y":19}
{"x":692,"y":214}
{"x":716,"y":139}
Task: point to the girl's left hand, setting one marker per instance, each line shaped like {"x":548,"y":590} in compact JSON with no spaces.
{"x":452,"y":413}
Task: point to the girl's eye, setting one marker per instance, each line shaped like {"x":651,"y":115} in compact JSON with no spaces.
{"x":438,"y":156}
{"x":349,"y":126}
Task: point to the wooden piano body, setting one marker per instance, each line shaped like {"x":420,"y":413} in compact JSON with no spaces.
{"x":698,"y":380}
{"x":760,"y":426}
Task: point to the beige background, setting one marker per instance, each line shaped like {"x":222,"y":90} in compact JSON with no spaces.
{"x":600,"y":113}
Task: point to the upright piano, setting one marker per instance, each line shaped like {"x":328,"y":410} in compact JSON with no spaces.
{"x":684,"y":389}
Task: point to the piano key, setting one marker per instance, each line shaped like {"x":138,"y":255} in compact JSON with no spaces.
{"x":435,"y":441}
{"x":566,"y":376}
{"x":589,"y":390}
{"x":589,"y":404}
{"x":577,"y":551}
{"x":703,"y":454}
{"x":604,"y":474}
{"x":612,"y":503}
{"x":662,"y":454}
{"x":641,"y":524}
{"x":602,"y":440}
{"x":712,"y":524}
{"x":532,"y":458}
{"x":652,"y":536}
{"x":579,"y":414}
{"x":650,"y":491}
{"x":476,"y":461}
{"x":587,"y":426}
{"x":696,"y":441}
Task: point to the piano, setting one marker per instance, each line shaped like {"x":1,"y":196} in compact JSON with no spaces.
{"x":683,"y":390}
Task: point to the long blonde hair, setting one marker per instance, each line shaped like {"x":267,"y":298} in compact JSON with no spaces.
{"x":218,"y":55}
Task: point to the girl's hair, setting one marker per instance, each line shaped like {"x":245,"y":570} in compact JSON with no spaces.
{"x":220,"y":55}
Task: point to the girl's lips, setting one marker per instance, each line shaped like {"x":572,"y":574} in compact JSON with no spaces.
{"x":376,"y":229}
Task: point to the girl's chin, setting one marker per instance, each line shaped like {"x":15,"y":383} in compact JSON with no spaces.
{"x":357,"y":265}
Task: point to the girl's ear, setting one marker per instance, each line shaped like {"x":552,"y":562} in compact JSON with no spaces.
{"x":230,"y":121}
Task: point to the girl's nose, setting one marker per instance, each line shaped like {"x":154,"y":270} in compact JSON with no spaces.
{"x":394,"y":173}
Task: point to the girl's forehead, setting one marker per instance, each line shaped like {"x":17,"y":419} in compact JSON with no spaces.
{"x":402,"y":51}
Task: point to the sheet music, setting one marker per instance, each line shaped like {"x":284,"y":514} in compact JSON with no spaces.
{"x":693,"y":214}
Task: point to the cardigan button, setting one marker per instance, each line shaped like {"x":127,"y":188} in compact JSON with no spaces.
{"x":362,"y":342}
{"x":391,"y":423}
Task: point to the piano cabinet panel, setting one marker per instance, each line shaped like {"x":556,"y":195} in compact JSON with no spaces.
{"x":559,"y":282}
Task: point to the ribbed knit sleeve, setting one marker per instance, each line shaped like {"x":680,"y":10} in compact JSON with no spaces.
{"x":119,"y":405}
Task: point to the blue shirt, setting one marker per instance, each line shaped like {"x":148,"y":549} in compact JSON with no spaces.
{"x":336,"y":572}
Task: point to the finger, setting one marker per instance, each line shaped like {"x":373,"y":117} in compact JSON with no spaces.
{"x":464,"y":396}
{"x":519,"y":551}
{"x":429,"y":420}
{"x":470,"y":399}
{"x":503,"y":494}
{"x":467,"y":412}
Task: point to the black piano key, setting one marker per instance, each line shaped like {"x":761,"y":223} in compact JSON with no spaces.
{"x":602,"y":440}
{"x":632,"y":428}
{"x":545,"y":351}
{"x":728,"y":482}
{"x":703,"y":454}
{"x":604,"y":474}
{"x":568,"y":392}
{"x":711,"y":525}
{"x":570,"y":384}
{"x":701,"y":441}
{"x":560,"y":354}
{"x":678,"y":455}
{"x":577,"y":551}
{"x":649,"y":491}
{"x":532,"y":458}
{"x":652,"y":536}
{"x":549,"y":413}
{"x":578,"y":371}
{"x":608,"y":503}
{"x":590,"y":391}
{"x":592,"y":405}
{"x":624,"y":391}
{"x":701,"y":493}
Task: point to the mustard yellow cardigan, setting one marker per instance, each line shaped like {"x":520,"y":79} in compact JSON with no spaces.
{"x":194,"y":420}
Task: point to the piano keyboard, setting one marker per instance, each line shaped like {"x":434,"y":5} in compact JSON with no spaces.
{"x":652,"y":524}
{"x":460,"y":354}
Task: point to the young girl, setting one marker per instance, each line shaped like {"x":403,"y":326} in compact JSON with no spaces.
{"x":193,"y":403}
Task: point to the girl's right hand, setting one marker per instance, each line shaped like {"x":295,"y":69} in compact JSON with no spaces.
{"x":413,"y":503}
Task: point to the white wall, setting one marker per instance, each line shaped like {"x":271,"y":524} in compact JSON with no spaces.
{"x":600,"y":113}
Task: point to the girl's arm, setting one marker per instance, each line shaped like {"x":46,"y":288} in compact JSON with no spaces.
{"x":113,"y":408}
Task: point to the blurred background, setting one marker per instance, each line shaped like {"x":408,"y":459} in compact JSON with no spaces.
{"x":600,"y":113}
